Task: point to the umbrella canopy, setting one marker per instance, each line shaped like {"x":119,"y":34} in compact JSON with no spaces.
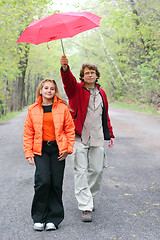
{"x":58,"y":26}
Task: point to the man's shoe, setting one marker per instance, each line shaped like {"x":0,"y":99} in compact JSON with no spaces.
{"x":86,"y":216}
{"x":50,"y":226}
{"x":38,"y":226}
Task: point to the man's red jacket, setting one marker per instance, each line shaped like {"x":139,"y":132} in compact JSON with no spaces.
{"x":78,"y":96}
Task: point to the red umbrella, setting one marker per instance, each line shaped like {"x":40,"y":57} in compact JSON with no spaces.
{"x":58,"y":26}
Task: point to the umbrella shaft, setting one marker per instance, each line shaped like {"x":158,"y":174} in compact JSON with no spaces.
{"x":62,"y":47}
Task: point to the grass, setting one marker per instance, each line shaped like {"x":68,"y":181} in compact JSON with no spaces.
{"x":9,"y":116}
{"x":140,"y":108}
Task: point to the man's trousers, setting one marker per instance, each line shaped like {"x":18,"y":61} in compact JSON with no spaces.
{"x":88,"y":167}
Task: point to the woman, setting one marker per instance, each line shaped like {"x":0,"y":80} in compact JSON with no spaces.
{"x":47,"y":140}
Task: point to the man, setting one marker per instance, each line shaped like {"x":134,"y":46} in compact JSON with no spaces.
{"x":92,"y":126}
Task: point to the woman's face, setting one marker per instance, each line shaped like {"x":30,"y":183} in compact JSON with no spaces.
{"x":48,"y":90}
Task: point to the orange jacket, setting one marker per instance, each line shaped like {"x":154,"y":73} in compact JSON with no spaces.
{"x":63,"y":123}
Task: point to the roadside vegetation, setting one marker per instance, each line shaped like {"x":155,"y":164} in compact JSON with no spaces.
{"x":140,"y":108}
{"x":10,"y":115}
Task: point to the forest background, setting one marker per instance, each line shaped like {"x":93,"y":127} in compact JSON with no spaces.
{"x":126,"y":49}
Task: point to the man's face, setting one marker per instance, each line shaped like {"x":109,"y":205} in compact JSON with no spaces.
{"x":90,"y":76}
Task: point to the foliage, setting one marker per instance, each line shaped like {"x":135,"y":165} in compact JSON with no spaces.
{"x":130,"y":30}
{"x":126,"y":49}
{"x":15,"y":17}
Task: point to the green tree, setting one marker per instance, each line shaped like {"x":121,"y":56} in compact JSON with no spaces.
{"x":15,"y":17}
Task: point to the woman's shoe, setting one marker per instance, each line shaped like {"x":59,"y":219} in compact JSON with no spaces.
{"x":50,"y":226}
{"x":38,"y":226}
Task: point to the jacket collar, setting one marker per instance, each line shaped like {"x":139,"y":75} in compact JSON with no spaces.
{"x":83,"y":85}
{"x":39,"y":99}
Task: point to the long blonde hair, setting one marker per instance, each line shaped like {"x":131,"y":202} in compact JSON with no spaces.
{"x":57,"y":94}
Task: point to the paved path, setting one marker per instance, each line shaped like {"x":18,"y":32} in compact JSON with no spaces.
{"x":128,"y":206}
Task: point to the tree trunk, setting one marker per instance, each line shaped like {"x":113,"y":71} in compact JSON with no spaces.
{"x":112,"y":60}
{"x":22,"y":66}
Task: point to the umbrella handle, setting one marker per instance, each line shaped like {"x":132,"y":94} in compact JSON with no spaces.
{"x":62,"y":47}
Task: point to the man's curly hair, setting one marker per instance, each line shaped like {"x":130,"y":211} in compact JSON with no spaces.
{"x":91,"y":66}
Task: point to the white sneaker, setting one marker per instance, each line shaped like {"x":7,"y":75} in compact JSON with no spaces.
{"x":50,"y":226}
{"x":38,"y":226}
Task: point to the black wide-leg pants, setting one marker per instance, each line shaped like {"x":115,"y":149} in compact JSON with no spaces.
{"x":47,"y":203}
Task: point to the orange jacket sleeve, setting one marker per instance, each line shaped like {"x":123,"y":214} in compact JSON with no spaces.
{"x":28,"y":136}
{"x":69,"y":130}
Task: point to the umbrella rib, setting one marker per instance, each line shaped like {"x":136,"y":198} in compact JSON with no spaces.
{"x":39,"y":29}
{"x":65,"y":26}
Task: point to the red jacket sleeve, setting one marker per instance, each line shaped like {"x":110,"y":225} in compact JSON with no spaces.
{"x":69,"y":82}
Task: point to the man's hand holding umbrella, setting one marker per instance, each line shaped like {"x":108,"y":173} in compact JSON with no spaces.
{"x":64,"y":62}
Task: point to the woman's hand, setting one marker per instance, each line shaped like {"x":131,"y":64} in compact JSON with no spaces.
{"x":31,"y":160}
{"x":62,"y":156}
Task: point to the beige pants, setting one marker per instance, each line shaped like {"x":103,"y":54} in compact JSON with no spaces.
{"x":88,"y":167}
